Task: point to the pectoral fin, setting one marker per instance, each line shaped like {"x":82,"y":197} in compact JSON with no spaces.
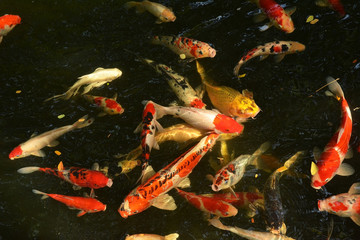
{"x":158,"y":126}
{"x":265,"y":27}
{"x":279,"y":57}
{"x":322,"y":3}
{"x":316,"y":153}
{"x":355,"y":188}
{"x":356,"y":218}
{"x":283,"y":229}
{"x":290,"y":10}
{"x":349,"y":154}
{"x":95,"y":167}
{"x":138,"y":128}
{"x":263,"y":57}
{"x":60,"y":166}
{"x":102,"y":114}
{"x":184,"y":183}
{"x":259,"y":17}
{"x":76,"y":188}
{"x":314,"y":169}
{"x":165,"y":202}
{"x":38,"y":153}
{"x":53,"y":143}
{"x":147,"y":173}
{"x":81,"y":213}
{"x":345,"y":170}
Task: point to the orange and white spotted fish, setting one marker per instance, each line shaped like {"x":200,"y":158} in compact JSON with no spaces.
{"x":279,"y":17}
{"x":202,"y":118}
{"x":34,"y":145}
{"x":84,"y":204}
{"x":334,"y":4}
{"x":329,"y":163}
{"x":278,"y":48}
{"x":191,"y":48}
{"x":108,"y":105}
{"x":164,"y":14}
{"x":344,"y":205}
{"x":7,"y":23}
{"x":153,"y":191}
{"x":209,"y":205}
{"x":146,"y":236}
{"x":81,"y":177}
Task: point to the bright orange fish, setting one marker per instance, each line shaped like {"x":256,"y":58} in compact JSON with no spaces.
{"x":7,"y":23}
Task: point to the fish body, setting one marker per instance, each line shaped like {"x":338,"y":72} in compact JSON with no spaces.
{"x":202,"y":119}
{"x":228,"y":100}
{"x":334,"y":4}
{"x":7,"y":23}
{"x":191,"y":48}
{"x":330,"y":161}
{"x":279,"y":48}
{"x":155,"y":188}
{"x":164,"y":14}
{"x":80,"y":177}
{"x":34,"y":145}
{"x":240,"y":199}
{"x":344,"y":205}
{"x":209,"y":205}
{"x":108,"y":105}
{"x":84,"y":204}
{"x":232,"y":173}
{"x":144,"y":236}
{"x":93,"y":80}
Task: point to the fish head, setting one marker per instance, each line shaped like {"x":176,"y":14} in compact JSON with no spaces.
{"x":109,"y":182}
{"x":225,"y":124}
{"x":297,"y":47}
{"x":285,"y":23}
{"x":228,"y":210}
{"x":167,"y":16}
{"x":113,"y":107}
{"x":244,"y":107}
{"x":133,"y":204}
{"x":324,"y":171}
{"x":221,"y":180}
{"x":8,"y":22}
{"x":339,"y":204}
{"x":16,"y":153}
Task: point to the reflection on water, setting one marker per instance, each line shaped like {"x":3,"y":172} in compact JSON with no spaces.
{"x":58,"y":41}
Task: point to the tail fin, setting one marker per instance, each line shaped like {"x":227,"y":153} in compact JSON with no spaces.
{"x":41,"y":193}
{"x":83,"y":122}
{"x":56,"y":97}
{"x":172,"y":236}
{"x":139,"y":6}
{"x":237,"y":68}
{"x":27,"y":170}
{"x":335,"y":87}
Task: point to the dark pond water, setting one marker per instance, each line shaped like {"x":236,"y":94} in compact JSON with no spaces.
{"x":59,"y":41}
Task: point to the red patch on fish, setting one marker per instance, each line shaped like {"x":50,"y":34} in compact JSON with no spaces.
{"x":225,"y":124}
{"x":98,"y":101}
{"x":197,"y":103}
{"x":9,"y":20}
{"x":337,"y":206}
{"x":16,"y":152}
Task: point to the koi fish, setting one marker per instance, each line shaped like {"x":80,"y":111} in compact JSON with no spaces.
{"x":334,"y":4}
{"x":344,"y":205}
{"x":329,"y":163}
{"x":108,"y":105}
{"x":153,"y":191}
{"x":228,"y":100}
{"x":209,"y":205}
{"x":232,"y":173}
{"x":163,"y":13}
{"x":191,"y":48}
{"x":240,"y":199}
{"x":93,"y":80}
{"x":7,"y":23}
{"x":278,"y":48}
{"x":128,"y":165}
{"x":80,"y":177}
{"x":248,"y":234}
{"x":84,"y":204}
{"x":34,"y":145}
{"x":202,"y":118}
{"x":144,"y":236}
{"x":274,"y":212}
{"x":279,"y":17}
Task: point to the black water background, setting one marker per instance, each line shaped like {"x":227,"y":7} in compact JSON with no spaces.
{"x":59,"y":41}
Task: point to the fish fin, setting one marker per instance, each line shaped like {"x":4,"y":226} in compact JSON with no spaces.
{"x":314,"y":169}
{"x":185,"y":183}
{"x":92,"y":193}
{"x":165,"y":202}
{"x":334,"y":87}
{"x":356,"y":218}
{"x":147,"y":173}
{"x":345,"y":170}
{"x":355,"y":188}
{"x":56,"y":97}
{"x":76,"y":188}
{"x":247,"y":93}
{"x":138,"y":128}
{"x":98,"y":69}
{"x":101,"y":114}
{"x":216,"y":223}
{"x":290,"y":10}
{"x":33,"y":135}
{"x":53,"y":143}
{"x":172,"y":236}
{"x":156,"y":145}
{"x":349,"y":154}
{"x":322,"y":3}
{"x":263,"y":57}
{"x":81,"y":213}
{"x":158,"y":21}
{"x":232,"y":191}
{"x":27,"y":170}
{"x":259,"y":17}
{"x":83,"y":122}
{"x":316,"y":153}
{"x":38,"y":153}
{"x":60,"y":166}
{"x":293,"y":159}
{"x":42,"y":193}
{"x":279,"y":57}
{"x":115,"y":97}
{"x":265,"y":27}
{"x":158,"y":126}
{"x":210,"y":177}
{"x":95,"y":167}
{"x":329,"y":94}
{"x":283,"y":229}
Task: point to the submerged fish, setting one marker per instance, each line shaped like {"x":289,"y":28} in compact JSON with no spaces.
{"x":7,"y":23}
{"x":334,"y":4}
{"x":163,"y":13}
{"x":228,"y":100}
{"x":34,"y":145}
{"x":93,"y":80}
{"x":84,"y":204}
{"x":240,"y":199}
{"x":108,"y":105}
{"x":329,"y":163}
{"x":144,"y":236}
{"x":191,"y":48}
{"x":344,"y":205}
{"x":278,"y":48}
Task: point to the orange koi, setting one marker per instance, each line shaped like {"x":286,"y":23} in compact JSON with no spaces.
{"x":239,"y":199}
{"x":7,"y":23}
{"x":153,"y":191}
{"x":334,"y":4}
{"x":84,"y":204}
{"x":108,"y":105}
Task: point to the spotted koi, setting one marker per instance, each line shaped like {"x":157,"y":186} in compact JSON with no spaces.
{"x":7,"y":23}
{"x":191,"y":48}
{"x":108,"y":105}
{"x":153,"y":191}
{"x":278,"y":48}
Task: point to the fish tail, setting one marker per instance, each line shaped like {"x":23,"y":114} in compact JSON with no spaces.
{"x":335,"y":87}
{"x":138,"y":5}
{"x":237,"y":67}
{"x":56,"y":97}
{"x":83,"y":122}
{"x":27,"y":170}
{"x":172,"y":236}
{"x":45,"y":195}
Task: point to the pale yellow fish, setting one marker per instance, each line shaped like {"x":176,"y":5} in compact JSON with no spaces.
{"x":145,"y":236}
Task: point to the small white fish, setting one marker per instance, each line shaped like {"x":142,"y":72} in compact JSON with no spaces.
{"x":144,"y":236}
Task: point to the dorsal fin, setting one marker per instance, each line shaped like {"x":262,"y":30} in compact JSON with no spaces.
{"x":60,"y":167}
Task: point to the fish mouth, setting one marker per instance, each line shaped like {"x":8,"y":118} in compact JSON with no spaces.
{"x":316,"y":184}
{"x":212,"y":53}
{"x":123,"y":213}
{"x":215,"y":188}
{"x":109,"y":183}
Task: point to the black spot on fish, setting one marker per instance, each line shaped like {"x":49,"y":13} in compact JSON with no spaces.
{"x":277,"y":42}
{"x":272,"y":49}
{"x":284,"y":48}
{"x":263,"y":49}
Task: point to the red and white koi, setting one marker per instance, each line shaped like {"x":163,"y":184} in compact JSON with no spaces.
{"x":153,"y":191}
{"x":84,"y":204}
{"x":278,"y":48}
{"x":329,"y":163}
{"x":209,"y":205}
{"x":232,"y":173}
{"x":77,"y":176}
{"x":191,"y":48}
{"x":164,"y":14}
{"x":279,"y":17}
{"x":108,"y":105}
{"x":344,"y":205}
{"x":34,"y":145}
{"x":202,"y":118}
{"x":239,"y":199}
{"x":7,"y":23}
{"x":145,"y":236}
{"x":334,"y":4}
